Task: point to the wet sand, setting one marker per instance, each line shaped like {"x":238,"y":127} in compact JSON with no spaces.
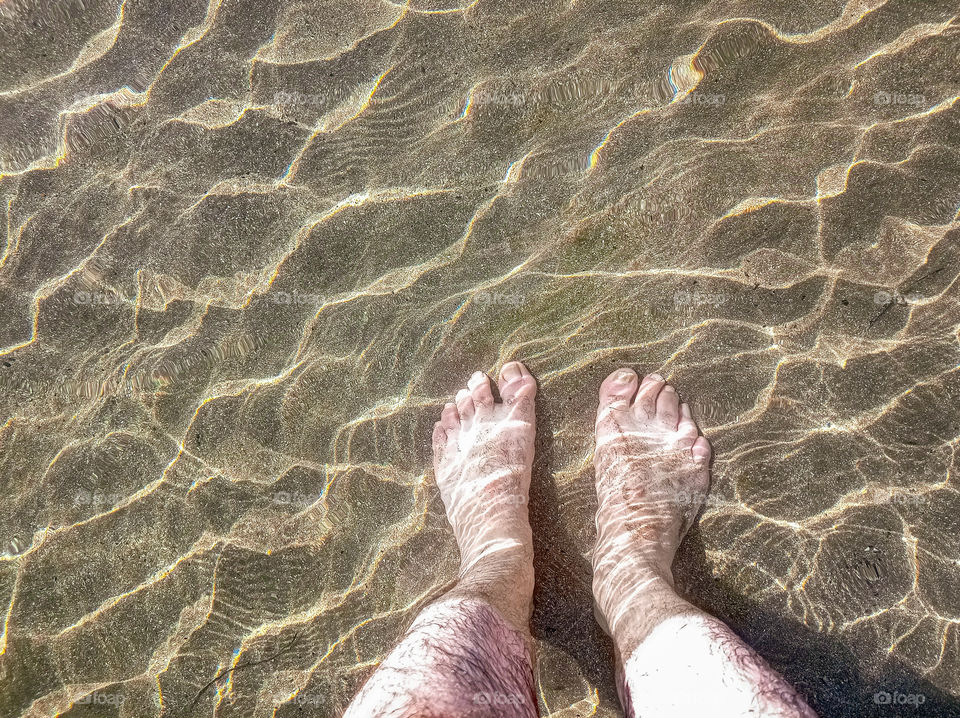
{"x":252,"y":247}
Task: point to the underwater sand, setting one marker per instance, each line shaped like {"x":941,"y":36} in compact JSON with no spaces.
{"x":252,"y":246}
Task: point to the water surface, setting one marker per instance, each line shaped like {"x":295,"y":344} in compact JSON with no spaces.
{"x":252,"y":246}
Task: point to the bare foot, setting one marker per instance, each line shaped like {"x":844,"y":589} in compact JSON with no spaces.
{"x":470,"y":653}
{"x":483,"y":453}
{"x":652,"y":476}
{"x":652,"y":471}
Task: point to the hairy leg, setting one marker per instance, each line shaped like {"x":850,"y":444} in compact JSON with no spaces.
{"x":460,"y":658}
{"x":683,"y":662}
{"x":470,"y":652}
{"x":652,"y":470}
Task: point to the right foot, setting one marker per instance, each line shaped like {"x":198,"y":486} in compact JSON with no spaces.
{"x":652,"y":472}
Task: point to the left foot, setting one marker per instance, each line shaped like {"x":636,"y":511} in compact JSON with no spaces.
{"x":483,"y":454}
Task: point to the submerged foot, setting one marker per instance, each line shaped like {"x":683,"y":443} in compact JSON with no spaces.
{"x":652,"y":472}
{"x":470,"y":652}
{"x":483,"y":453}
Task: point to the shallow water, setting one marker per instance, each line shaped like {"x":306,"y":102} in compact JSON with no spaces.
{"x":252,"y":246}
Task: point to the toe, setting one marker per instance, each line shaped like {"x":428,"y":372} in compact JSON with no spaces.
{"x":480,"y":391}
{"x":668,"y":408}
{"x":450,"y":417}
{"x":517,"y":385}
{"x":617,"y":391}
{"x":465,"y":407}
{"x":701,"y":451}
{"x":646,"y":403}
{"x":439,"y":440}
{"x":510,"y":371}
{"x":687,"y":431}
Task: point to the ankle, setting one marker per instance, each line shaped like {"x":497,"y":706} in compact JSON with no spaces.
{"x":510,"y":567}
{"x":505,"y":582}
{"x":633,"y":595}
{"x":499,"y":542}
{"x":627,"y":562}
{"x":648,"y":540}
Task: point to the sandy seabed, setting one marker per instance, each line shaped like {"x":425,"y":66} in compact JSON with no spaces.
{"x":252,"y":246}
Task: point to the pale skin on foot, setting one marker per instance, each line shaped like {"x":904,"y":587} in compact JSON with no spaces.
{"x":470,"y":653}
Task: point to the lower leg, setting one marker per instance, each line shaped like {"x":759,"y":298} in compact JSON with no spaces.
{"x":461,"y":657}
{"x":652,"y":476}
{"x":677,"y":660}
{"x":470,"y":652}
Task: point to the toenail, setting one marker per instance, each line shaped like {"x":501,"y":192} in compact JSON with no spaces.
{"x":668,"y":388}
{"x":624,"y":376}
{"x":657,"y":377}
{"x":511,"y":370}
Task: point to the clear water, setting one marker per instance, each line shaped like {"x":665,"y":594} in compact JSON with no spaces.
{"x":252,"y":246}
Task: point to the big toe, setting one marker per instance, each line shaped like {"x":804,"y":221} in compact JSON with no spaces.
{"x":517,"y":386}
{"x":617,"y":392}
